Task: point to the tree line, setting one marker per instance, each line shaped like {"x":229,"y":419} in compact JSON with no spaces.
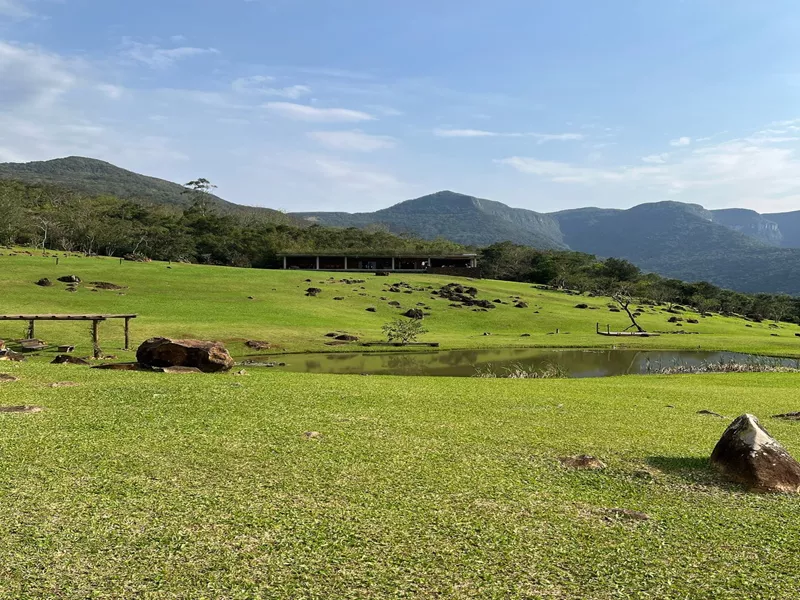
{"x":53,"y":218}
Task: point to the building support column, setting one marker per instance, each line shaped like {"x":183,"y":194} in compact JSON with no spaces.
{"x":318,"y":263}
{"x":393,"y":267}
{"x":345,"y":263}
{"x":284,"y":263}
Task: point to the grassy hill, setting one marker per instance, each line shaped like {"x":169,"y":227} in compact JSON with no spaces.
{"x":214,"y":303}
{"x":185,"y":486}
{"x":96,"y":178}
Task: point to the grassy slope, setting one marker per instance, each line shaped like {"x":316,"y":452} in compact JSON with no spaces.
{"x":212,"y":302}
{"x":137,"y":484}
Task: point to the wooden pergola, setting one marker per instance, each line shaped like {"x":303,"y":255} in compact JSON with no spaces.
{"x":95,"y":319}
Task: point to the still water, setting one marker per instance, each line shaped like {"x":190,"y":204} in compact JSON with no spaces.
{"x":467,"y":363}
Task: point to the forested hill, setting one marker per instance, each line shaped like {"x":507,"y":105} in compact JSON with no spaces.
{"x":98,"y":178}
{"x":458,"y":217}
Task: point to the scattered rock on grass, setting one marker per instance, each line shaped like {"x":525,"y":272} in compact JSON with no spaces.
{"x":63,"y":384}
{"x":44,"y":282}
{"x":414,"y":313}
{"x":372,"y":309}
{"x":746,"y":453}
{"x":70,"y":279}
{"x":161,"y":352}
{"x":6,"y":378}
{"x":105,"y":285}
{"x":258,"y":345}
{"x":790,"y":416}
{"x":582,"y":306}
{"x":710,"y":413}
{"x":66,"y":359}
{"x":312,"y":435}
{"x":20,"y":409}
{"x":346,"y":337}
{"x":583,"y":462}
{"x":312,"y":291}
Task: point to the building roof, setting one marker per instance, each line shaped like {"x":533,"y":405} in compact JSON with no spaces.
{"x":355,"y":254}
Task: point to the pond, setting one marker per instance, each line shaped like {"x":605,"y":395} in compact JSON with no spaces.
{"x":467,"y":363}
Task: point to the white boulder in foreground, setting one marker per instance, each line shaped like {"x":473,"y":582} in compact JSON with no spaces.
{"x":746,"y":453}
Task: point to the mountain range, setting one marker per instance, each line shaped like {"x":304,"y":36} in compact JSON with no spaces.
{"x":734,"y":248}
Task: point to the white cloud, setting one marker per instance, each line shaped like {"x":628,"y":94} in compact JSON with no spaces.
{"x":463,"y":133}
{"x":681,"y":141}
{"x":361,"y":178}
{"x":255,"y":85}
{"x":755,"y":171}
{"x":15,"y":9}
{"x":541,"y":138}
{"x":302,"y":112}
{"x":31,"y":76}
{"x":114,"y":92}
{"x":656,"y":159}
{"x":161,"y":58}
{"x":352,"y":140}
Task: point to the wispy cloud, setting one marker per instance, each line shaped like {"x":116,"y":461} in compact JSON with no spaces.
{"x":681,"y":141}
{"x":756,"y":168}
{"x":157,"y":57}
{"x":352,"y":140}
{"x":303,"y":112}
{"x":30,"y":76}
{"x":540,"y":138}
{"x":15,"y":9}
{"x":257,"y":85}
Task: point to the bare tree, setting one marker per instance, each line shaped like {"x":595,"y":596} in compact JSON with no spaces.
{"x":623,"y":297}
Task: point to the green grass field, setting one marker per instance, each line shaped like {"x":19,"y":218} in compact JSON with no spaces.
{"x":213,"y":302}
{"x":148,"y":485}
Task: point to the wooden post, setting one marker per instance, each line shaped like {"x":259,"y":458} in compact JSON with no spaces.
{"x":608,"y":329}
{"x":597,"y":328}
{"x":56,"y":261}
{"x":95,"y":339}
{"x":127,"y":333}
{"x":30,"y":329}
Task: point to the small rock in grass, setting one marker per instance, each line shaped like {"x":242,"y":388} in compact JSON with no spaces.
{"x":346,"y":337}
{"x":258,"y":345}
{"x":240,"y":373}
{"x":70,"y":279}
{"x":63,"y":384}
{"x":20,"y":409}
{"x":372,"y":309}
{"x":583,"y":461}
{"x":790,"y":416}
{"x":711,"y":413}
{"x":312,"y":435}
{"x":44,"y":282}
{"x":526,"y":335}
{"x":748,"y":454}
{"x":6,"y":378}
{"x":66,"y":359}
{"x":582,"y":306}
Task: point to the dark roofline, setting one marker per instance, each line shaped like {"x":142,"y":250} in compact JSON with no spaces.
{"x":373,"y":255}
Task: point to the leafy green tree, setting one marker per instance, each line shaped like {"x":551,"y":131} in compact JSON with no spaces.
{"x":404,"y":330}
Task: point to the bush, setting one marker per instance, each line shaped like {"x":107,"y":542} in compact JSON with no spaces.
{"x":404,"y":330}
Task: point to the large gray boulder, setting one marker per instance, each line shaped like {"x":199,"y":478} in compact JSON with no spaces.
{"x":209,"y":357}
{"x":746,"y":453}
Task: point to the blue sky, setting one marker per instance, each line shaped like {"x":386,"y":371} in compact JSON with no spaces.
{"x":358,"y":104}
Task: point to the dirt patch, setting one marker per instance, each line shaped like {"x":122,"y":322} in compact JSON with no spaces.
{"x":257,"y":345}
{"x":20,"y":409}
{"x":583,"y":462}
{"x":105,"y":285}
{"x":5,"y":378}
{"x":62,"y":384}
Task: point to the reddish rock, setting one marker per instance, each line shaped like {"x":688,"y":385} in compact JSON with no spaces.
{"x":746,"y":453}
{"x":209,"y":357}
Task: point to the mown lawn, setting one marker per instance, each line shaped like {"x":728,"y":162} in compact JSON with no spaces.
{"x":181,"y":300}
{"x":203,"y":486}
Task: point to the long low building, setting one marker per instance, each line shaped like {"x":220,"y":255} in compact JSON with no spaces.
{"x":409,"y":263}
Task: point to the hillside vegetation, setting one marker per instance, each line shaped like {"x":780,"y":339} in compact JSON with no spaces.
{"x":94,"y":177}
{"x":234,"y":305}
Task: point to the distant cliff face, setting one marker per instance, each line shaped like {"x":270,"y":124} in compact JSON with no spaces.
{"x":750,"y":223}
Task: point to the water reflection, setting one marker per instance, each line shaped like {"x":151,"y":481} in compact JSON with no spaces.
{"x":466,"y":363}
